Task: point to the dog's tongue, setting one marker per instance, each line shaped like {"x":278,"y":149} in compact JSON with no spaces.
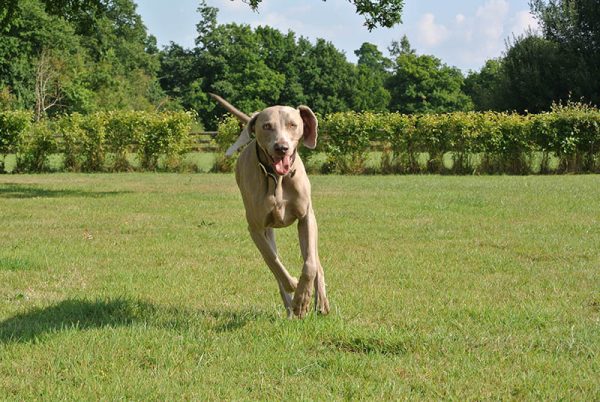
{"x":282,"y":166}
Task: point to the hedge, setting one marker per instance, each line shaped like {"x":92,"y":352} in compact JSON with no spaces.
{"x":488,"y":142}
{"x":460,"y":143}
{"x":87,"y":142}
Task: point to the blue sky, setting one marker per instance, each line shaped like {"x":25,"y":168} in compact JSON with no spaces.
{"x":462,"y":33}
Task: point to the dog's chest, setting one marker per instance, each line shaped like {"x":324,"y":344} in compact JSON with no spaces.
{"x":283,"y":207}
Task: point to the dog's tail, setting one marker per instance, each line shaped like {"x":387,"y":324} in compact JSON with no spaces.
{"x":241,"y":116}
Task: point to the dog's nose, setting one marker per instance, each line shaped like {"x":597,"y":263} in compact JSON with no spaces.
{"x":282,"y":148}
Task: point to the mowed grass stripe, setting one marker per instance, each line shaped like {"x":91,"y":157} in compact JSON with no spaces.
{"x":147,"y":286}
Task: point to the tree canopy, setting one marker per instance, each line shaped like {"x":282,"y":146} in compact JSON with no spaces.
{"x":538,"y":70}
{"x":62,"y":56}
{"x":384,"y":13}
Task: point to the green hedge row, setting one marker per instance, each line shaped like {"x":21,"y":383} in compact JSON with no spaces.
{"x":446,"y":143}
{"x":86,"y":141}
{"x":487,"y":142}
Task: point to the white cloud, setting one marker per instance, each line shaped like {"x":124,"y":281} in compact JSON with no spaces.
{"x":524,"y":21}
{"x":460,"y":18}
{"x":430,"y":33}
{"x":490,"y":19}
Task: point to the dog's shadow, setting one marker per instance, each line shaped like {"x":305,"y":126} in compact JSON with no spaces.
{"x":81,"y":314}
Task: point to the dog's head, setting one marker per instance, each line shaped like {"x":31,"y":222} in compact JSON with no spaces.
{"x":279,"y":129}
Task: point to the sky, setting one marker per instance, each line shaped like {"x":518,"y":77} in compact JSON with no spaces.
{"x":462,"y":33}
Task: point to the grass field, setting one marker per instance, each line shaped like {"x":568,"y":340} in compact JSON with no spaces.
{"x":147,"y":287}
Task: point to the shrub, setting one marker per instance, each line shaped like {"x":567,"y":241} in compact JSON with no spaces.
{"x":35,"y":146}
{"x":228,"y":130}
{"x":165,"y":133}
{"x":348,"y":141}
{"x":13,"y":125}
{"x":124,"y":130}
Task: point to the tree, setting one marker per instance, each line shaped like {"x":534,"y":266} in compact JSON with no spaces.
{"x":487,"y":88}
{"x":423,"y":84}
{"x":534,"y":75}
{"x":77,"y":55}
{"x":574,"y":26}
{"x":228,"y":61}
{"x":326,"y":76}
{"x":371,"y":74}
{"x":384,"y":13}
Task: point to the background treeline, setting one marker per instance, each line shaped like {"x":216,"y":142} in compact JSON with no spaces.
{"x":64,"y":56}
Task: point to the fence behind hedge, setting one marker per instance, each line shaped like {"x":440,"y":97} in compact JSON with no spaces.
{"x":460,"y":143}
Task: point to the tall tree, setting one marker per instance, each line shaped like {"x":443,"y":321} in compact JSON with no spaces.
{"x":488,"y":87}
{"x":423,"y":84}
{"x":96,"y":52}
{"x":372,"y":71}
{"x":574,"y":25}
{"x":534,"y":75}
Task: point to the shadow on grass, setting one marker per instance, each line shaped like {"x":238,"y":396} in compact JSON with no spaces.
{"x":84,"y":314}
{"x":15,"y":190}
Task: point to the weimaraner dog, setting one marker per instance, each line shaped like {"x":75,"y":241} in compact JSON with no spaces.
{"x":276,"y":193}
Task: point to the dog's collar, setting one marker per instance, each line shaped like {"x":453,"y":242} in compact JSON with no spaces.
{"x":267,"y":168}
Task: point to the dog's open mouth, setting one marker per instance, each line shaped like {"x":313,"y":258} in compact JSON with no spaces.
{"x":282,"y":165}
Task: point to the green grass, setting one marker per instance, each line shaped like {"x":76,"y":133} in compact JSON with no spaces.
{"x":147,"y":287}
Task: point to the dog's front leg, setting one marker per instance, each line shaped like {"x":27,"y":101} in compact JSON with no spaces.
{"x":286,"y":296}
{"x":312,"y":272}
{"x":265,"y":242}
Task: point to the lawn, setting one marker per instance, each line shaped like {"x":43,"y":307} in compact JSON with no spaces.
{"x":148,"y":287}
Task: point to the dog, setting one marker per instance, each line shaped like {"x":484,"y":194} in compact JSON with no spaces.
{"x":276,"y":193}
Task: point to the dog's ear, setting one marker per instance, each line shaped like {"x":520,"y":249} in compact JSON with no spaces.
{"x":251,"y":123}
{"x":310,"y":126}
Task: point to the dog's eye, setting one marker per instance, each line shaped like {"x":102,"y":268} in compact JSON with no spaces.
{"x":292,"y":125}
{"x":267,"y":126}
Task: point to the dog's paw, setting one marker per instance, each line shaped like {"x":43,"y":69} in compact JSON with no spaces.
{"x":301,"y":300}
{"x":301,"y":303}
{"x":322,"y":305}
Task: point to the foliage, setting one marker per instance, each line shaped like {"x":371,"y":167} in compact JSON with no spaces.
{"x":539,"y":69}
{"x":13,"y":124}
{"x":423,"y":84}
{"x":228,"y":130}
{"x":78,"y":56}
{"x":87,"y":141}
{"x":348,"y":140}
{"x":252,"y":68}
{"x":35,"y":146}
{"x":574,"y":26}
{"x":504,"y":141}
{"x":383,"y":13}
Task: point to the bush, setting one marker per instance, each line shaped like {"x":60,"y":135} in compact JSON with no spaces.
{"x":87,"y":140}
{"x":35,"y":146}
{"x":488,"y":142}
{"x":348,"y":140}
{"x":13,"y":125}
{"x":228,"y":130}
{"x":168,"y":134}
